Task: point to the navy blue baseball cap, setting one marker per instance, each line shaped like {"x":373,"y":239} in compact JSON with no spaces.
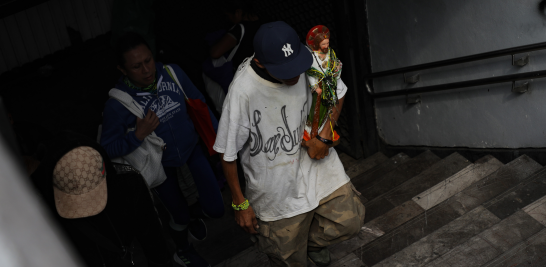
{"x":278,"y":47}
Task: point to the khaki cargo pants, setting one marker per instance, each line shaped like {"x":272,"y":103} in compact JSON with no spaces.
{"x":338,"y":217}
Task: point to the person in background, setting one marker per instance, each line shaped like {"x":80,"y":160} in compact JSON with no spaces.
{"x":151,"y":85}
{"x":298,"y":198}
{"x":102,"y":208}
{"x":238,"y":12}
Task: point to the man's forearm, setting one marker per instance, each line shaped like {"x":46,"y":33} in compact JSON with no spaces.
{"x":230,"y":171}
{"x":326,"y":131}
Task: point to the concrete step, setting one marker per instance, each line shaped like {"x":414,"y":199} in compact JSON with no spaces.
{"x":487,"y":230}
{"x":362,"y":180}
{"x":355,"y":167}
{"x":399,"y":175}
{"x":491,"y":243}
{"x":531,"y":251}
{"x":364,"y":165}
{"x":410,"y":209}
{"x":346,"y":160}
{"x":442,"y":214}
{"x":438,"y":172}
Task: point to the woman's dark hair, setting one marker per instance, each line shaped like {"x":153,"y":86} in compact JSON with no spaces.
{"x":127,"y":42}
{"x":542,"y":6}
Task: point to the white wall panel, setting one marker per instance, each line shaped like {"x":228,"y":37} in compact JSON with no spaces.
{"x":52,"y":37}
{"x":42,"y":30}
{"x":38,"y":33}
{"x":6,"y":47}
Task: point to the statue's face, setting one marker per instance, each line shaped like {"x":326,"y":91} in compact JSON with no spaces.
{"x":324,"y":45}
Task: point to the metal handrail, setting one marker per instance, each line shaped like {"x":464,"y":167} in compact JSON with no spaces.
{"x":441,"y":87}
{"x":458,"y":85}
{"x":465,"y":59}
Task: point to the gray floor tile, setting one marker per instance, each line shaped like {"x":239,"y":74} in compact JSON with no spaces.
{"x":492,"y":242}
{"x":511,"y":231}
{"x":532,"y":252}
{"x":430,"y":177}
{"x":437,"y":172}
{"x":363,"y":180}
{"x":346,"y":160}
{"x":458,"y":182}
{"x":474,"y":252}
{"x":520,"y":196}
{"x":365,"y":165}
{"x":404,"y":172}
{"x":447,"y":211}
{"x":537,"y":210}
{"x":350,"y":260}
{"x":396,"y":217}
{"x":444,"y":239}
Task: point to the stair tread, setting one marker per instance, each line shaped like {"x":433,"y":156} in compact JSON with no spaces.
{"x":457,"y":182}
{"x":411,"y":209}
{"x":346,"y":160}
{"x":399,"y":175}
{"x":449,"y":210}
{"x":528,"y":253}
{"x":436,"y":173}
{"x":443,"y":239}
{"x":361,"y":181}
{"x":515,"y":229}
{"x":490,"y":243}
{"x":365,"y":165}
{"x":522,"y":195}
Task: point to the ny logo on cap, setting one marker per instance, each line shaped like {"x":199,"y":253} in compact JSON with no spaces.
{"x":287,"y":49}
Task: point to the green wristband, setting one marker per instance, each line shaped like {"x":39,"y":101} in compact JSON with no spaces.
{"x":242,"y":206}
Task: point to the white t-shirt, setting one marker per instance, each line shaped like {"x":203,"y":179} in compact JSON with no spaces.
{"x":264,"y":122}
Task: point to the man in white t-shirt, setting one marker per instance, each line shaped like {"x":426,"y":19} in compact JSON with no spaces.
{"x":299,"y":199}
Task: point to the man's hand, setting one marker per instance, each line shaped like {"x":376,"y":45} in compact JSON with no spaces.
{"x":247,"y":220}
{"x":316,"y":149}
{"x":146,"y":126}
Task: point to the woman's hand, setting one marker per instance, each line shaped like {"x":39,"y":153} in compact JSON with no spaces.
{"x":146,"y":126}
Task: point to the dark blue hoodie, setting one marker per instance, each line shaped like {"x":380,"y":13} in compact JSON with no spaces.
{"x":175,"y":126}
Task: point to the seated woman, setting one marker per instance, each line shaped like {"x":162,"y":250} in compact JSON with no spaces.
{"x":100,"y":208}
{"x":151,"y":85}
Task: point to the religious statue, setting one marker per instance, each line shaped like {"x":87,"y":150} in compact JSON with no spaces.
{"x":323,"y":77}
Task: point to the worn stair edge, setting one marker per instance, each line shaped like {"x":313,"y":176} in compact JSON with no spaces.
{"x":443,"y":239}
{"x":457,"y":182}
{"x":492,"y":242}
{"x":365,"y":165}
{"x":398,"y":195}
{"x":401,"y":214}
{"x":521,"y":195}
{"x":537,"y":210}
{"x":370,"y":176}
{"x":346,"y":160}
{"x":528,"y":253}
{"x":402,"y":173}
{"x":420,"y":226}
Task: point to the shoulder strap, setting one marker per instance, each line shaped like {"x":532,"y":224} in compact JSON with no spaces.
{"x":171,"y":73}
{"x":230,"y":57}
{"x":127,"y":101}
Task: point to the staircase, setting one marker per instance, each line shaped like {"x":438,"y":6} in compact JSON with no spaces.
{"x":427,"y":211}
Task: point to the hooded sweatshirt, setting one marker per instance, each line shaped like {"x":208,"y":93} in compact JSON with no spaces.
{"x":175,"y":125}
